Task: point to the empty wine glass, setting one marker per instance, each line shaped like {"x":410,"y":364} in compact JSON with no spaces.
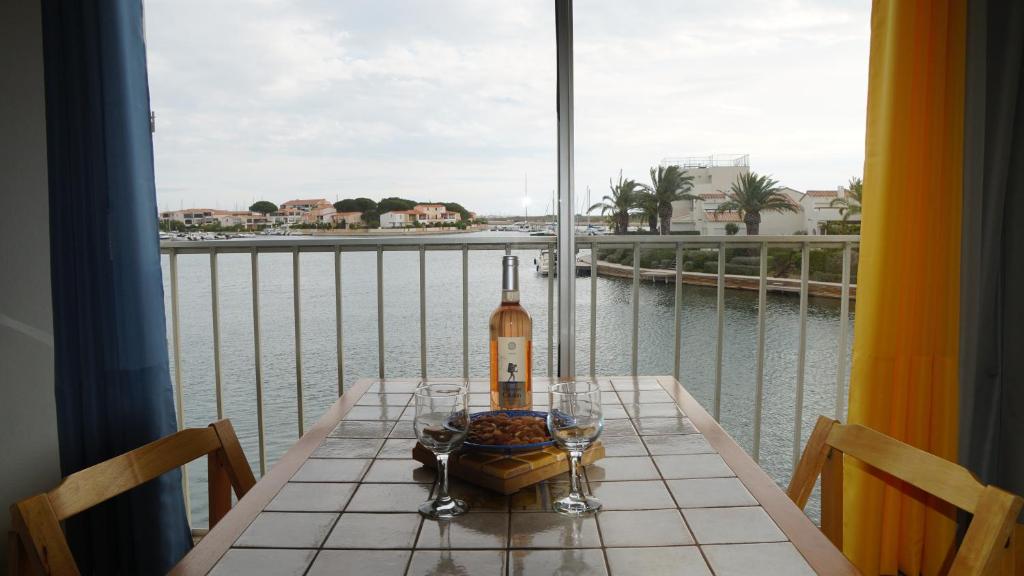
{"x":441,"y":423}
{"x":575,"y":422}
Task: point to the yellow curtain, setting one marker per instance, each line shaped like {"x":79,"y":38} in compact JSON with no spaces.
{"x":904,"y":377}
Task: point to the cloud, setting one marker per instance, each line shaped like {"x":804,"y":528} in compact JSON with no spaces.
{"x":455,"y":99}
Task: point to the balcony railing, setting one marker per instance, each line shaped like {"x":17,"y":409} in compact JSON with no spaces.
{"x":464,"y":244}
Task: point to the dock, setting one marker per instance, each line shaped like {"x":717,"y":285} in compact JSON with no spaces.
{"x":733,"y":281}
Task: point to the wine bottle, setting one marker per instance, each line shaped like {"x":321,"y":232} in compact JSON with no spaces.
{"x":511,"y":345}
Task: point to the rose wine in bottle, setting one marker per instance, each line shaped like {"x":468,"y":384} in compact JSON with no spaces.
{"x":511,"y":345}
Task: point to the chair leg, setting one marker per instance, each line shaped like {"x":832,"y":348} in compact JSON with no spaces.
{"x":17,"y":560}
{"x":219,"y":483}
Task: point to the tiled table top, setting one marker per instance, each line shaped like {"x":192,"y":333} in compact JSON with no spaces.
{"x":672,"y":503}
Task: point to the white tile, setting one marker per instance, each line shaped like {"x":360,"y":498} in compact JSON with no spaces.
{"x":650,"y":561}
{"x":332,"y":470}
{"x":693,"y":466}
{"x":710,"y":493}
{"x":643,"y":528}
{"x":638,"y":495}
{"x":661,"y":410}
{"x":457,"y":563}
{"x":622,"y":468}
{"x":374,"y":413}
{"x":778,"y":559}
{"x":263,"y":562}
{"x":624,"y":446}
{"x":312,"y":497}
{"x":473,"y":530}
{"x":345,"y":562}
{"x":389,"y":531}
{"x":552,"y":530}
{"x":732,"y":525}
{"x":287,"y":530}
{"x":644,"y":396}
{"x":543,"y":562}
{"x":678,"y":444}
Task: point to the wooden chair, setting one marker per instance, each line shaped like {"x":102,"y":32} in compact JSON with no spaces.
{"x":40,"y":547}
{"x":987,"y":547}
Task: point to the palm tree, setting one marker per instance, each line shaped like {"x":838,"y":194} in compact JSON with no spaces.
{"x":617,"y":205}
{"x":750,"y":195}
{"x":850,"y":205}
{"x":669,"y":184}
{"x":648,"y":205}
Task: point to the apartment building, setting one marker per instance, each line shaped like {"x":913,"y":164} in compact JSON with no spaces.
{"x":347,"y":219}
{"x":435,"y":213}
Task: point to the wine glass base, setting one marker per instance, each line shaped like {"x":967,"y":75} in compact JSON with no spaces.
{"x":439,"y":511}
{"x":570,"y":506}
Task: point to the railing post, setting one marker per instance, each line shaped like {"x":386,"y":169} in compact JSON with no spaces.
{"x":762,"y":304}
{"x":258,"y":359}
{"x":465,"y":312}
{"x":298,"y":338}
{"x":423,"y":312}
{"x":380,"y":312}
{"x":566,"y":181}
{"x":593,"y":309}
{"x":801,"y":354}
{"x":678,"y":309}
{"x":339,"y":333}
{"x":179,"y":394}
{"x":720,"y":332}
{"x":636,"y":310}
{"x":215,"y":310}
{"x":844,"y":318}
{"x":552,"y":254}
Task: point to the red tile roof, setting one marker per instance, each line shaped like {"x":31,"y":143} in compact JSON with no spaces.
{"x":823,"y":193}
{"x":707,"y":195}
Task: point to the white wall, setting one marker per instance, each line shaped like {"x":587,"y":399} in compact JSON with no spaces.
{"x":28,"y":420}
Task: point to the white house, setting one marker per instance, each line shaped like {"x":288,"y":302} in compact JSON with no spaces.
{"x":818,"y":209}
{"x":398,"y":218}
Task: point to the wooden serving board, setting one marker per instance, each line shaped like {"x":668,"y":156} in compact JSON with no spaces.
{"x":505,"y":473}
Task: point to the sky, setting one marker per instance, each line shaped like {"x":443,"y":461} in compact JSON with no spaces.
{"x":454,"y":100}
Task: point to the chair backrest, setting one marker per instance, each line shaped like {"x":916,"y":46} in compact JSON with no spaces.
{"x":987,"y":547}
{"x":43,"y":548}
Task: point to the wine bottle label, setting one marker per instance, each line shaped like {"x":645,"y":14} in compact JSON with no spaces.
{"x":511,"y":367}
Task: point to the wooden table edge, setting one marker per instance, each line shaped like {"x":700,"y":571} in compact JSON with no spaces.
{"x":205,"y":555}
{"x":810,"y":541}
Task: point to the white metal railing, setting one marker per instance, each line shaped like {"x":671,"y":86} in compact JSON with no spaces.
{"x":465,"y":243}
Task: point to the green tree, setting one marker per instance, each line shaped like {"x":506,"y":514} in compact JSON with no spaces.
{"x":355,"y":205}
{"x":648,"y":205}
{"x":456,"y":207}
{"x":618,"y":204}
{"x":394,"y":203}
{"x":669,"y":184}
{"x":850,"y":205}
{"x":263,"y":207}
{"x":750,"y":195}
{"x":731,"y":229}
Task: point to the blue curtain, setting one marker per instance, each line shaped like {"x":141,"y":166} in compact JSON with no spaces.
{"x":112,"y":383}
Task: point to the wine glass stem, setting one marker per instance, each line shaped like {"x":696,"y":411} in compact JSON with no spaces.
{"x":442,"y":471}
{"x":574,"y":474}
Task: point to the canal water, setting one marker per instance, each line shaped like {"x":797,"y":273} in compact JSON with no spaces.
{"x":444,"y":341}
